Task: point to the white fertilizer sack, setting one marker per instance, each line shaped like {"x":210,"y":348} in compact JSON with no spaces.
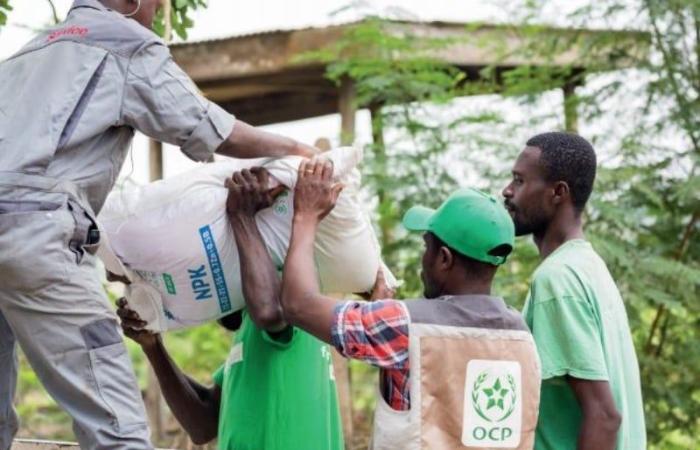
{"x":173,"y":239}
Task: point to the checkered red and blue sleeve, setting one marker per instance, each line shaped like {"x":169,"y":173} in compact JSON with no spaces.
{"x":373,"y":332}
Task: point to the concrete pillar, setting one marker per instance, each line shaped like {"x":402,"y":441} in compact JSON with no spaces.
{"x":347,"y":106}
{"x":341,"y":371}
{"x":155,"y":160}
{"x":154,"y":406}
{"x":155,"y":151}
{"x":379,"y":149}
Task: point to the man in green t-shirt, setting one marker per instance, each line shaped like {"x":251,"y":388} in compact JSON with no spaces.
{"x":591,"y":395}
{"x":276,"y":390}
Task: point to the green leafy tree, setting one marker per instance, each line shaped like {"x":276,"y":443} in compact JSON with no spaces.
{"x":5,"y":9}
{"x":180,"y":19}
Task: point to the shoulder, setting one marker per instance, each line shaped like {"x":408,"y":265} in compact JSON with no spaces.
{"x":117,"y":33}
{"x":577,"y":282}
{"x":574,"y":267}
{"x":102,"y":28}
{"x":370,"y":317}
{"x":386,"y":308}
{"x":96,"y":27}
{"x":553,"y":270}
{"x":556,"y":280}
{"x":566,"y":263}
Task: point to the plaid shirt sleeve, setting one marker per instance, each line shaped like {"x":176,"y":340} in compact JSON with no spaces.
{"x":373,"y":332}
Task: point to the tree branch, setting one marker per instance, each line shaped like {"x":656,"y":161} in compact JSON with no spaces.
{"x":696,"y":21}
{"x":685,"y":241}
{"x":56,"y":20}
{"x":688,"y":125}
{"x":662,"y":339}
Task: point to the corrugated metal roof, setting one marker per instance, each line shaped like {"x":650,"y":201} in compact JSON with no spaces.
{"x":435,"y":23}
{"x":264,"y":33}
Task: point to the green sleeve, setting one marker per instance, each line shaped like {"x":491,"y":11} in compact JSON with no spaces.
{"x":566,"y":328}
{"x":219,"y":376}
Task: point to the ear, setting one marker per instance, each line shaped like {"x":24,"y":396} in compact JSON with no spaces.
{"x":446,"y":258}
{"x":561,"y":192}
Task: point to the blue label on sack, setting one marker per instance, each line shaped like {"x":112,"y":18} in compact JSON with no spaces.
{"x":198,"y":280}
{"x":203,"y":290}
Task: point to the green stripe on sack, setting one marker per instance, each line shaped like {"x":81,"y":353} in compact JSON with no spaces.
{"x":169,"y":285}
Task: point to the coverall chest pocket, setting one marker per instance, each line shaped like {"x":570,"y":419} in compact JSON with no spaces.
{"x":53,"y":84}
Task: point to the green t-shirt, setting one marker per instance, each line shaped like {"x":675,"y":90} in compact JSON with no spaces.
{"x":278,"y":394}
{"x":579,"y":323}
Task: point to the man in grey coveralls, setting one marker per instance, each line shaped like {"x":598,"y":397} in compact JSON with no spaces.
{"x":70,"y":101}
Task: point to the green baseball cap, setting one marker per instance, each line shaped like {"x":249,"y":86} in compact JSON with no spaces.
{"x":470,"y":222}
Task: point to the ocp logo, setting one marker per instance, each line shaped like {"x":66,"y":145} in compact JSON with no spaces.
{"x":280,"y":206}
{"x":493,"y":396}
{"x":492,"y":404}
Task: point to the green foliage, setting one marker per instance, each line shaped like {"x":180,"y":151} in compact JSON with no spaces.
{"x":389,"y":67}
{"x":180,"y":19}
{"x":5,"y":8}
{"x":199,"y":351}
{"x":397,"y":76}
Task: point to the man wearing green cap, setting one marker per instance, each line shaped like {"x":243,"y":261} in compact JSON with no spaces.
{"x":458,"y":368}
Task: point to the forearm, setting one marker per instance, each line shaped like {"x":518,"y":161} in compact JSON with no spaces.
{"x":600,"y":419}
{"x":597,"y":433}
{"x":194,"y":406}
{"x":261,"y":284}
{"x":246,"y":141}
{"x":303,"y":304}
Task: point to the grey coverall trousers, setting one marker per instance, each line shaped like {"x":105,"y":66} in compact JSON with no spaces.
{"x":69,"y":103}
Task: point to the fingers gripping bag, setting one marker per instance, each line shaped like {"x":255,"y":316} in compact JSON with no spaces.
{"x":173,"y":240}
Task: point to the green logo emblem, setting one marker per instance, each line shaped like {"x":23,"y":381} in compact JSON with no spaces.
{"x":493,"y":397}
{"x":280,"y":206}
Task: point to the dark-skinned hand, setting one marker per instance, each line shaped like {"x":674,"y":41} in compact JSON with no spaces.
{"x":133,"y":326}
{"x":249,"y":192}
{"x":315,"y":194}
{"x":380,"y":290}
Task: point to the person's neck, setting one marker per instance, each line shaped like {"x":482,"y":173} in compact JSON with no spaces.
{"x":563,"y":228}
{"x":111,"y":4}
{"x":114,"y":5}
{"x":469,"y":287}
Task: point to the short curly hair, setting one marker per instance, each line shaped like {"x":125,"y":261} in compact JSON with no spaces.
{"x":570,"y":158}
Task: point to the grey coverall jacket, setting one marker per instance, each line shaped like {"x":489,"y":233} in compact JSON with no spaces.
{"x":70,"y":101}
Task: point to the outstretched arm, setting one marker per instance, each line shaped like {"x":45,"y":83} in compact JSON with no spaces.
{"x":376,"y":333}
{"x":161,"y":101}
{"x":246,"y":141}
{"x":249,"y":193}
{"x":196,"y":407}
{"x":303,"y":304}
